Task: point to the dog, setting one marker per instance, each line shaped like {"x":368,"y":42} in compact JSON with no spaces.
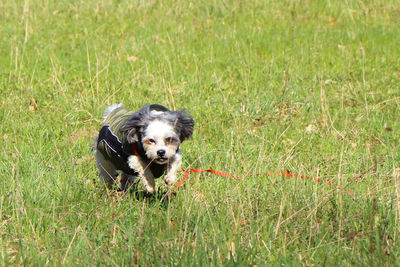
{"x":143,"y":144}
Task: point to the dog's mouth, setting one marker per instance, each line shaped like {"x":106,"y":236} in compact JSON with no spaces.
{"x":161,"y":160}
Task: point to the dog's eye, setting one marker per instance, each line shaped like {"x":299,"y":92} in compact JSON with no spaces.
{"x":151,"y":141}
{"x":169,"y":140}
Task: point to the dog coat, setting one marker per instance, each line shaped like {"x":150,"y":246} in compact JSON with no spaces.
{"x":114,"y":146}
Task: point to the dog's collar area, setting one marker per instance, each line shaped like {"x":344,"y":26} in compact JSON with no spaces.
{"x":135,"y":149}
{"x":117,"y":150}
{"x":122,"y":150}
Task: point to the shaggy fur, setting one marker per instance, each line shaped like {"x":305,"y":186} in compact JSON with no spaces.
{"x":159,"y":132}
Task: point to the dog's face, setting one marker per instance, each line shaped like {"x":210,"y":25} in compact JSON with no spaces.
{"x":160,"y":131}
{"x":160,"y":141}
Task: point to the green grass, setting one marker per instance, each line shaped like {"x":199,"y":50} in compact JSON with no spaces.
{"x":307,"y":86}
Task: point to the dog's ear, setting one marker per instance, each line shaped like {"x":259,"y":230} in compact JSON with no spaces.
{"x":133,"y":126}
{"x":131,"y":130}
{"x":185,"y":124}
{"x":132,"y":136}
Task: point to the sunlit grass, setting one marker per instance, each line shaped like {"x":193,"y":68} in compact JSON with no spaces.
{"x":311,"y":87}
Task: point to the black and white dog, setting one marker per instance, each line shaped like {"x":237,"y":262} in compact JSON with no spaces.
{"x":142,"y":144}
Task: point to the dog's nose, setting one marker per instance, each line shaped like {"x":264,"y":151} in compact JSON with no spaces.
{"x":161,"y":152}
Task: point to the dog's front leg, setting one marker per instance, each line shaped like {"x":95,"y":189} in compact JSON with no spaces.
{"x":173,"y":167}
{"x":145,"y":174}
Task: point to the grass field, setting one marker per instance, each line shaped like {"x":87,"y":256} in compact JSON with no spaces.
{"x":309,"y":86}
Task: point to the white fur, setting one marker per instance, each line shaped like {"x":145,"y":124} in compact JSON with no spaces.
{"x":156,"y":112}
{"x":173,"y":167}
{"x":145,"y":174}
{"x":147,"y":177}
{"x":160,"y":132}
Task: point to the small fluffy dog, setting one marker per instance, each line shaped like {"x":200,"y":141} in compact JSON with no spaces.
{"x":142,"y":144}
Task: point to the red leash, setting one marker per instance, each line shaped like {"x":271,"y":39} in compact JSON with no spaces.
{"x":287,"y":174}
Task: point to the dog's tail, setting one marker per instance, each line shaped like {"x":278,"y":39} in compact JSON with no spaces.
{"x":109,"y":109}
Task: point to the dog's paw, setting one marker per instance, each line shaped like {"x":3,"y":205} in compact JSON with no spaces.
{"x":149,"y":189}
{"x":170,"y":179}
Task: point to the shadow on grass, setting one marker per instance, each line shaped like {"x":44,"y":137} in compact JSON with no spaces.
{"x":134,"y":192}
{"x":161,"y":196}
